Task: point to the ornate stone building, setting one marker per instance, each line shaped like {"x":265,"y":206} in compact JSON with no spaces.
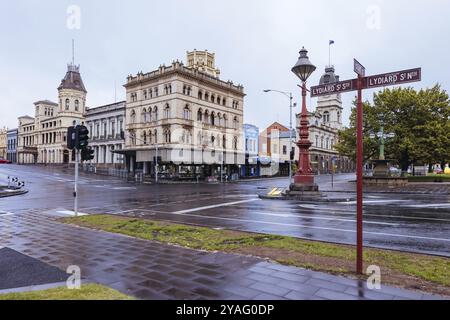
{"x":12,"y":145}
{"x":324,"y":125}
{"x":42,"y":139}
{"x":105,"y":124}
{"x":188,"y":117}
{"x":3,"y":143}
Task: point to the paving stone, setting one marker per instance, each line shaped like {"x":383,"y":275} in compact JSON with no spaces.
{"x":245,"y":292}
{"x":327,"y":285}
{"x":371,"y":294}
{"x":400,"y":293}
{"x":269,"y":288}
{"x":289,"y":276}
{"x":266,"y":296}
{"x":333,"y":295}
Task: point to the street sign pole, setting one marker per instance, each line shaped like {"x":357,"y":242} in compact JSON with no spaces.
{"x":363,"y":82}
{"x":359,"y":179}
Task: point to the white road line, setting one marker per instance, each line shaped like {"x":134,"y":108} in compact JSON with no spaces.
{"x":71,"y":213}
{"x":286,"y":215}
{"x":372,"y":201}
{"x":431,"y":205}
{"x":226,"y":204}
{"x":303,"y":226}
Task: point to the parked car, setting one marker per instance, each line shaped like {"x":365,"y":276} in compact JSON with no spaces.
{"x":4,"y":161}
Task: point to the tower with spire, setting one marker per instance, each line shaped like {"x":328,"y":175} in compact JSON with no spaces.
{"x":330,"y":107}
{"x":72,"y":93}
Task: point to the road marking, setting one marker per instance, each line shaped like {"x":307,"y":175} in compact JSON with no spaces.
{"x":124,"y":188}
{"x":431,"y":205}
{"x":372,"y":201}
{"x":71,"y":213}
{"x":226,"y":204}
{"x":287,"y":215}
{"x":304,"y":226}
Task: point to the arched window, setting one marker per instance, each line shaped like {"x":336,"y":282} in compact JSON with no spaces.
{"x":321,"y":142}
{"x":200,"y":115}
{"x":150,"y":137}
{"x":150,"y":93}
{"x":144,"y":115}
{"x":67,"y":104}
{"x":149,"y":114}
{"x":235,"y":123}
{"x":170,"y":88}
{"x":213,"y":140}
{"x":187,"y":113}
{"x":207,"y":118}
{"x":218,"y":100}
{"x":224,"y":101}
{"x":156,"y":136}
{"x":224,"y":142}
{"x":213,"y":98}
{"x":225,"y":120}
{"x":145,"y":137}
{"x":184,"y":89}
{"x":213,"y":118}
{"x":206,"y":96}
{"x":199,"y":138}
{"x":167,"y":136}
{"x":235,"y":143}
{"x":167,"y":111}
{"x":219,"y":121}
{"x":327,"y":143}
{"x":133,"y":116}
{"x":200,"y":94}
{"x":155,"y":113}
{"x":145,"y":94}
{"x":189,"y":89}
{"x":77,"y":105}
{"x":326,"y":116}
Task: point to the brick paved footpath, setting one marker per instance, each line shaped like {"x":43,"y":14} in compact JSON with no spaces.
{"x":151,"y":270}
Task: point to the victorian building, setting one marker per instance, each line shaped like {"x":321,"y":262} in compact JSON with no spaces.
{"x":3,"y":143}
{"x":185,"y":118}
{"x":11,"y":152}
{"x":105,"y":124}
{"x":42,"y":138}
{"x":324,"y":125}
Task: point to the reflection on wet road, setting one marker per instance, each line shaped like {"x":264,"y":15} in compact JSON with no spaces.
{"x":398,"y":221}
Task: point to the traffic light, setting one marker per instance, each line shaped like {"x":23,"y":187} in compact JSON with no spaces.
{"x":82,"y":139}
{"x":71,"y":138}
{"x":87,"y":154}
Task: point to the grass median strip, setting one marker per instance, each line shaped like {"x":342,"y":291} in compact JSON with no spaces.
{"x":86,"y":292}
{"x":413,"y":271}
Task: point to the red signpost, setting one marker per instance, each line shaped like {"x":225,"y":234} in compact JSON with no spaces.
{"x":363,"y":82}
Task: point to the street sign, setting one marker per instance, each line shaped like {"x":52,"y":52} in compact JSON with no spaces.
{"x":333,"y":88}
{"x":363,"y":82}
{"x":359,"y":68}
{"x":393,"y":78}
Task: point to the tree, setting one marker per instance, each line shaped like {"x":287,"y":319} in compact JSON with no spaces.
{"x":419,"y":119}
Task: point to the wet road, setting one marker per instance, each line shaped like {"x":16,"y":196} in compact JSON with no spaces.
{"x":411,"y":222}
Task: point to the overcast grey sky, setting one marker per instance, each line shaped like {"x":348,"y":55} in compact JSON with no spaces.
{"x":256,"y":43}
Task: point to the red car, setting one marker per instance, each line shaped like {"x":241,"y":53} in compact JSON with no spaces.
{"x":4,"y":161}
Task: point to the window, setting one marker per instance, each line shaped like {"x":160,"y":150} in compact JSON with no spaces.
{"x":133,"y":116}
{"x":149,"y":115}
{"x":113,"y":129}
{"x":145,"y":94}
{"x":156,"y":136}
{"x":150,"y":93}
{"x":167,"y":136}
{"x":200,"y":115}
{"x":224,"y":101}
{"x":235,"y":123}
{"x":326,"y":116}
{"x":187,"y":113}
{"x":213,"y":140}
{"x":218,"y":100}
{"x":235,"y":143}
{"x":156,"y":91}
{"x":150,"y":140}
{"x":213,"y":118}
{"x":207,"y":118}
{"x":167,"y":111}
{"x":200,"y":94}
{"x":284,"y":149}
{"x":155,"y":113}
{"x":145,"y":137}
{"x":67,"y":104}
{"x":212,"y":98}
{"x":144,"y":115}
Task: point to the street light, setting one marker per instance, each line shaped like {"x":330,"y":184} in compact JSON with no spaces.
{"x":289,"y":95}
{"x":304,"y":177}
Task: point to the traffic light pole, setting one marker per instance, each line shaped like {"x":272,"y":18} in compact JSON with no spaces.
{"x":156,"y":164}
{"x":75,"y":192}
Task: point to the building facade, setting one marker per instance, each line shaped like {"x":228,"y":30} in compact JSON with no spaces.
{"x":186,"y":120}
{"x":42,"y":139}
{"x":3,"y":143}
{"x":12,"y":137}
{"x":324,"y":125}
{"x":105,"y":124}
{"x":251,"y":146}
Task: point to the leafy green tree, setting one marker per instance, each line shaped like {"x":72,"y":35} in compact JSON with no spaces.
{"x":419,"y":119}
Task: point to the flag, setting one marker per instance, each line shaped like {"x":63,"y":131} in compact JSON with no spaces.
{"x":331,"y":42}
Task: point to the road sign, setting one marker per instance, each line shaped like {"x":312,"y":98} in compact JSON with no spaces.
{"x":359,"y":68}
{"x":333,"y":88}
{"x":363,"y":82}
{"x":393,"y":78}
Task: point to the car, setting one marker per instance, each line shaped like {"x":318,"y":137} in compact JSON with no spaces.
{"x":4,"y":161}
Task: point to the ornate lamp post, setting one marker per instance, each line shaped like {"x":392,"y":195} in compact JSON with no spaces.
{"x":304,"y":178}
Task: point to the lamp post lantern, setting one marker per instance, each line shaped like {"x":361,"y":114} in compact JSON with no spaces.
{"x":304,"y":177}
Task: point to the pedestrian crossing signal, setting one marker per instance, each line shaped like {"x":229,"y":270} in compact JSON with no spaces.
{"x":87,"y":154}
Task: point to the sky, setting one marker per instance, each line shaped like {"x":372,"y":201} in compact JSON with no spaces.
{"x":256,"y":43}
